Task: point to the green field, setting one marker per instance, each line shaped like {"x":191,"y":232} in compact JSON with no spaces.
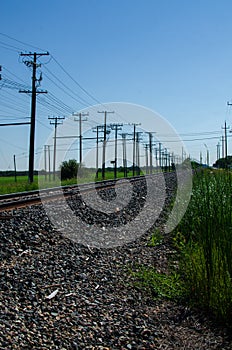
{"x":8,"y":184}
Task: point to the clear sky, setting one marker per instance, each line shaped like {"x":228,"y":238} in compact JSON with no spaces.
{"x":172,"y":56}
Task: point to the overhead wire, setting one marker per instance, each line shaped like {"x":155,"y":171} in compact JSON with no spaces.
{"x":76,"y":97}
{"x":21,"y":42}
{"x":74,"y":80}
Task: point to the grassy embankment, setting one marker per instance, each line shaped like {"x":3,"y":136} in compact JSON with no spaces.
{"x":203,"y":241}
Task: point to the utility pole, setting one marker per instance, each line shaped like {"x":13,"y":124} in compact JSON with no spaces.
{"x":218,"y":150}
{"x":34,"y":91}
{"x":134,"y":145}
{"x":137,"y":151}
{"x":15,"y":171}
{"x":146,"y":156}
{"x":173,"y":161}
{"x":182,"y":154}
{"x":97,"y":129}
{"x":150,"y":150}
{"x":160,"y":155}
{"x":45,"y":161}
{"x":156,"y":157}
{"x":80,"y":119}
{"x":49,"y":164}
{"x":47,"y":158}
{"x":207,"y":154}
{"x":124,"y":153}
{"x":104,"y":143}
{"x":223,"y":147}
{"x":207,"y":157}
{"x":116,"y":128}
{"x":225,"y":128}
{"x":55,"y":123}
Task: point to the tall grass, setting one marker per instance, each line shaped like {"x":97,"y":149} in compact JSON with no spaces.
{"x":204,"y":237}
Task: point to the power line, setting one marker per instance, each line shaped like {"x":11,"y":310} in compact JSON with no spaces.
{"x":83,"y":89}
{"x":189,"y":140}
{"x":10,"y":47}
{"x":21,"y":42}
{"x":71,"y":94}
{"x":14,"y":75}
{"x":9,"y":124}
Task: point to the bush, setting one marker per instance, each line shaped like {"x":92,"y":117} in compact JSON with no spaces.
{"x":69,"y":169}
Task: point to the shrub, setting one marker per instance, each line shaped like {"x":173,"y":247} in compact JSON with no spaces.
{"x":69,"y":169}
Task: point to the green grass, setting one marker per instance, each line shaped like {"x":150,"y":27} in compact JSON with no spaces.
{"x":160,"y":285}
{"x":155,"y":239}
{"x":8,"y":184}
{"x":203,"y":244}
{"x":204,"y":241}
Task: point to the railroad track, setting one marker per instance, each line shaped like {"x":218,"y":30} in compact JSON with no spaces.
{"x":23,"y":199}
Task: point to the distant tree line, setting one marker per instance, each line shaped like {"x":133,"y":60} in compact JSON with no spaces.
{"x":18,"y":173}
{"x":223,"y":163}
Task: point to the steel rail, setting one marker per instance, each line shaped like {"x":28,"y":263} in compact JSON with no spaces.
{"x":22,"y":199}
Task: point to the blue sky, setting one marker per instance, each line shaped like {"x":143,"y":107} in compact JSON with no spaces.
{"x":174,"y":57}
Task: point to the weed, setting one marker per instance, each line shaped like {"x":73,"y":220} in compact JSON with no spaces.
{"x":168,"y":286}
{"x":155,"y":239}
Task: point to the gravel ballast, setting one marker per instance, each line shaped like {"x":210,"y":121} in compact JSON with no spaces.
{"x":58,"y":294}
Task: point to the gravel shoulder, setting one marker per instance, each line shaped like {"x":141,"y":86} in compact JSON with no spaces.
{"x":57,"y":294}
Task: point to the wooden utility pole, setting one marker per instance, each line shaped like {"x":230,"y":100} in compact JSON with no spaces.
{"x":137,"y":152}
{"x":218,"y":151}
{"x":225,"y":128}
{"x":160,"y":155}
{"x":150,"y":150}
{"x":15,"y":171}
{"x":55,"y":123}
{"x":80,"y":119}
{"x":223,"y":147}
{"x":34,"y":91}
{"x":134,"y":145}
{"x":146,"y":157}
{"x":124,"y":153}
{"x":97,"y":129}
{"x":104,"y":143}
{"x":49,"y":163}
{"x":116,"y":128}
{"x":45,"y":161}
{"x":151,"y":144}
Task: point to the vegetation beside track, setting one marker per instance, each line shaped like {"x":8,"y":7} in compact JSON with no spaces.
{"x":204,"y":240}
{"x":203,"y":245}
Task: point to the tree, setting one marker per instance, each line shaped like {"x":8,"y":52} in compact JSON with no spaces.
{"x":223,"y":163}
{"x":69,"y":169}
